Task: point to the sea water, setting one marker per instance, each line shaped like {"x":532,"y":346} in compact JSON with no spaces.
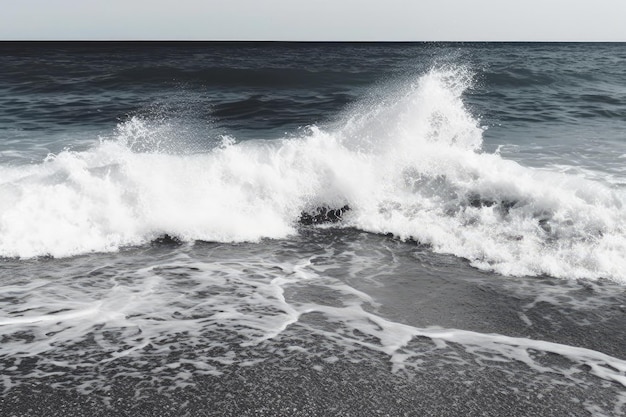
{"x":165,"y":245}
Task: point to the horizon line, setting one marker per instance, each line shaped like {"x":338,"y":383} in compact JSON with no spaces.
{"x":68,"y":40}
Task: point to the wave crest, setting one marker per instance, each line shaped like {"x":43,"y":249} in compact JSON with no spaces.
{"x":407,"y":163}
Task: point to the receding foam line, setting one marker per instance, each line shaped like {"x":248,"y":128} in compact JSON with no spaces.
{"x":78,"y":314}
{"x":394,"y":337}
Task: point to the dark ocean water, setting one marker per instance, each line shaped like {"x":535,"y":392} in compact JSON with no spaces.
{"x":312,"y":229}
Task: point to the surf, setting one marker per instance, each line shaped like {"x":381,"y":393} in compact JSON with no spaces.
{"x":408,"y":162}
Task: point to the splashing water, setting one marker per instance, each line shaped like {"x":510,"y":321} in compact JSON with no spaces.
{"x":410,"y":164}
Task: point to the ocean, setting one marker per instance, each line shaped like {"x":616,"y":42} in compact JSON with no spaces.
{"x":312,"y":229}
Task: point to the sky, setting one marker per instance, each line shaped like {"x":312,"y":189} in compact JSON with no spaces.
{"x":315,"y":20}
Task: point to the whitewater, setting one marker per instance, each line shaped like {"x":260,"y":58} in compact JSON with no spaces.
{"x":411,"y":165}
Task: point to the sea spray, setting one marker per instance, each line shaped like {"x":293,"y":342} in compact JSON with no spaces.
{"x":410,"y":164}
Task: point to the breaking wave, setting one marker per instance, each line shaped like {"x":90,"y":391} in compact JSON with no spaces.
{"x":408,"y":164}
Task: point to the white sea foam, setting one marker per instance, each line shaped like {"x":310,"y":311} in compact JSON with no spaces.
{"x":212,"y":314}
{"x":410,"y":164}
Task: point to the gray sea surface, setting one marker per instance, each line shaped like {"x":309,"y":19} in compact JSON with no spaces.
{"x":235,"y":229}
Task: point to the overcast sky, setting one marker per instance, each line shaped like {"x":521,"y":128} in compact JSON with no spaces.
{"x":417,"y":20}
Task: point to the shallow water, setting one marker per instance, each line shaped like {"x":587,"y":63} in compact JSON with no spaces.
{"x":183,"y":328}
